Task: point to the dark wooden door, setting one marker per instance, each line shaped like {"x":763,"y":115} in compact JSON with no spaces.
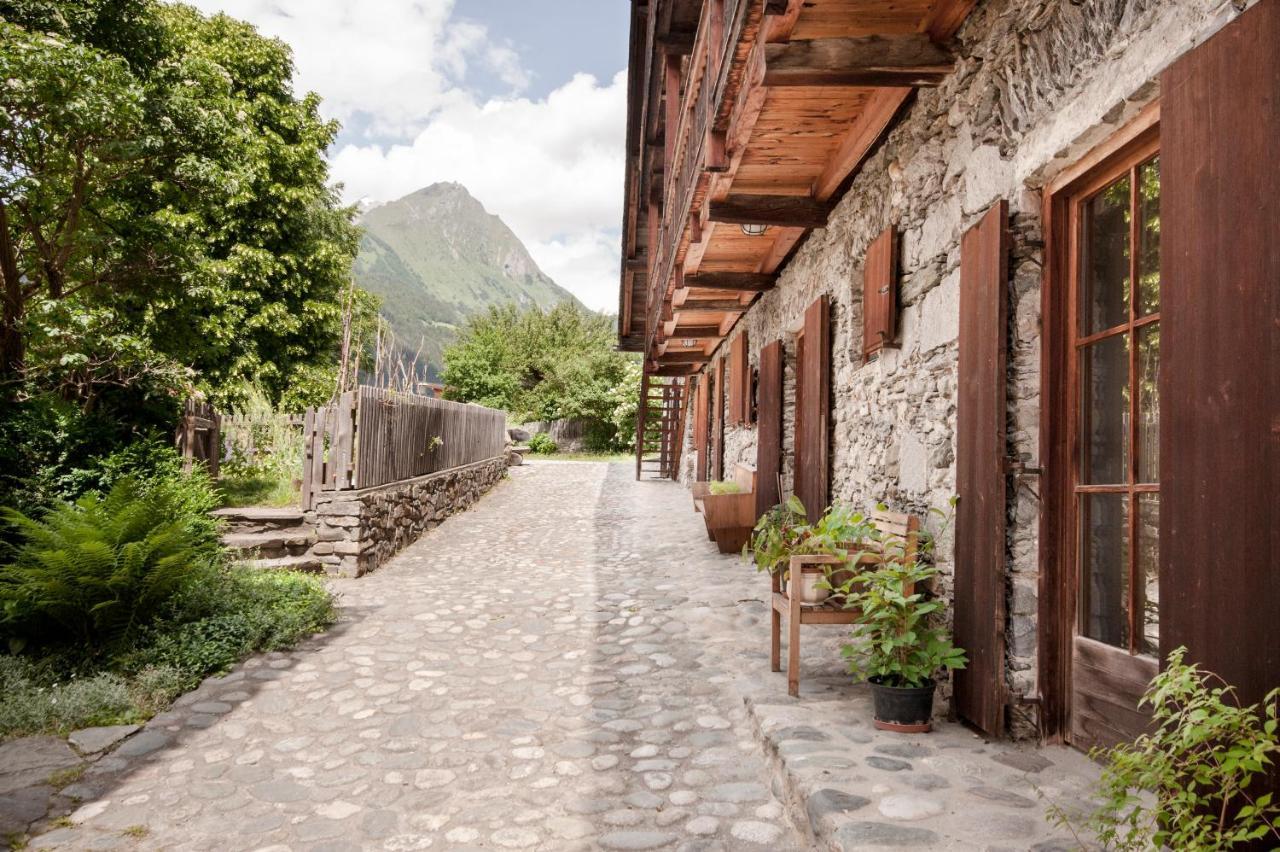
{"x":813,"y":409}
{"x":980,"y":471}
{"x":769,"y":431}
{"x":1220,"y":381}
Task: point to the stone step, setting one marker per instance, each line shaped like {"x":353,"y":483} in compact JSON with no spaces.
{"x":308,"y":564}
{"x":293,"y":541}
{"x":258,"y":519}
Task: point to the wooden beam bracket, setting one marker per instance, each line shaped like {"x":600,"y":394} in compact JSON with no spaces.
{"x":902,"y":60}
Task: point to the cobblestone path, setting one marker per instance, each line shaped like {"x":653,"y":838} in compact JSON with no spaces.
{"x":545,"y":671}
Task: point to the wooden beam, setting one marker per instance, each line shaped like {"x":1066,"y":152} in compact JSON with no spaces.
{"x":695,"y":332}
{"x":716,"y":160}
{"x":712,"y":305}
{"x":902,"y":60}
{"x":859,"y":139}
{"x":745,"y":282}
{"x":674,"y":369}
{"x":945,"y":19}
{"x":677,"y":42}
{"x":672,"y":358}
{"x":791,"y":211}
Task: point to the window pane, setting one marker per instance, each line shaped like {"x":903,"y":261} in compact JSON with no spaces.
{"x":1104,"y":411}
{"x":1148,"y":599}
{"x":1104,"y":568}
{"x":1104,"y":261}
{"x":1149,"y":403}
{"x":1149,"y":237}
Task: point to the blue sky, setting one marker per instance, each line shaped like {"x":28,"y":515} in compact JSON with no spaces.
{"x":522,"y":101}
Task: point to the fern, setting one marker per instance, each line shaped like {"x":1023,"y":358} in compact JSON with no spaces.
{"x":96,"y":571}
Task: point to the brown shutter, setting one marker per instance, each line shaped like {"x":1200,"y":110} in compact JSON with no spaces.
{"x":879,"y":293}
{"x":1220,"y":354}
{"x":700,"y":426}
{"x":739,"y":382}
{"x":980,"y":476}
{"x":717,"y":421}
{"x":769,"y":433}
{"x":813,"y":410}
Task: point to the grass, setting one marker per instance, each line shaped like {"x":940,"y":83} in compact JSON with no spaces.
{"x":206,"y":629}
{"x":590,"y":457}
{"x":276,"y":492}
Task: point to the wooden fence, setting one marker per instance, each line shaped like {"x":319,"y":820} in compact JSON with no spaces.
{"x":373,"y":437}
{"x":198,"y":436}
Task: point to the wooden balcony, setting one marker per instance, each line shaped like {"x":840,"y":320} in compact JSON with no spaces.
{"x":747,"y":120}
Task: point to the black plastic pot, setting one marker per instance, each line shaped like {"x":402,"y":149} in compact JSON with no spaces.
{"x":905,"y":709}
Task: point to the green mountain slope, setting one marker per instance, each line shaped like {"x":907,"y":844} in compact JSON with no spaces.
{"x":437,"y":256}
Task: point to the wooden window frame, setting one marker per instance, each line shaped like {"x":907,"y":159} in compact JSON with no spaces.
{"x":880,"y":294}
{"x":1131,"y":146}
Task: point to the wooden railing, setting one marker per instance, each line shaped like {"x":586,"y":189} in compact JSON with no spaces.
{"x":702,"y":107}
{"x":372,"y":437}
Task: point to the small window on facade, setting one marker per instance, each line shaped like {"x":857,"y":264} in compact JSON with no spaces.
{"x":879,"y":293}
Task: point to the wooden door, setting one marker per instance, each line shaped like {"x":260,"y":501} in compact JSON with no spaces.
{"x":813,"y":409}
{"x":769,"y":433}
{"x":980,"y":471}
{"x":1220,"y":378}
{"x":1113,"y":483}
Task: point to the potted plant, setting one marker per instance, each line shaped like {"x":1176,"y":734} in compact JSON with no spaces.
{"x":810,"y":554}
{"x":898,"y":644}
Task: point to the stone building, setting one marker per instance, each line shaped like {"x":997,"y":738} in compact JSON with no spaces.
{"x":1019,"y":251}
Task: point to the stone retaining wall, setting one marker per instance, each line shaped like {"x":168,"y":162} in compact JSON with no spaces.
{"x":356,"y":531}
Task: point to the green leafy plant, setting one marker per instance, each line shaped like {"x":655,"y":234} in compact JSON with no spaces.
{"x":899,"y":640}
{"x":721,"y":486}
{"x":542,"y":444}
{"x":1197,"y":769}
{"x":784,"y":531}
{"x":98,"y":570}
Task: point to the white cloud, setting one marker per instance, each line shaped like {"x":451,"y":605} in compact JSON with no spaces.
{"x":552,"y":169}
{"x":391,"y":63}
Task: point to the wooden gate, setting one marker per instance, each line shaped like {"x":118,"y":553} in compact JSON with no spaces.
{"x":198,"y":437}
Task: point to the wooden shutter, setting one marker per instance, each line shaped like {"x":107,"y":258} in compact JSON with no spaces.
{"x":739,"y":382}
{"x":701,"y":430}
{"x":769,"y":433}
{"x":813,"y":410}
{"x":1220,"y":354}
{"x":717,"y":421}
{"x":879,"y":293}
{"x":980,"y":474}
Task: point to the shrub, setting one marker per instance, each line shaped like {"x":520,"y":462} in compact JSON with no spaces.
{"x":542,"y":444}
{"x":724,"y":487}
{"x":37,"y":699}
{"x":97,"y":571}
{"x":215,"y":625}
{"x":1201,"y":763}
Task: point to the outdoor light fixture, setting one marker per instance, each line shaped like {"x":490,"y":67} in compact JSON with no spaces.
{"x":754,"y":230}
{"x":688,"y":342}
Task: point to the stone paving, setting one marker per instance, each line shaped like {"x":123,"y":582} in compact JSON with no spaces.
{"x":567,"y":666}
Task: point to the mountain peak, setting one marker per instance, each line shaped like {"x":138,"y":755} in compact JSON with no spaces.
{"x":437,"y":256}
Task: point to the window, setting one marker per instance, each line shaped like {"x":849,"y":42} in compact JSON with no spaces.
{"x":1115,"y":227}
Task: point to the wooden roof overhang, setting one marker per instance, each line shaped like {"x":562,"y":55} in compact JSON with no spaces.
{"x":751,"y":113}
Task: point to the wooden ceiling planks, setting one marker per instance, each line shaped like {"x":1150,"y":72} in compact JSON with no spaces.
{"x":841,"y":71}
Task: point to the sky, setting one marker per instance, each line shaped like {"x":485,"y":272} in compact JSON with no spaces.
{"x":521,"y":101}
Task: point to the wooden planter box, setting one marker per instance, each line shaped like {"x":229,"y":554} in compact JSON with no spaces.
{"x":730,"y":518}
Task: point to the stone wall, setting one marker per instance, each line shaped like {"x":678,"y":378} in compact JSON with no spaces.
{"x":357,"y":531}
{"x":1038,"y":84}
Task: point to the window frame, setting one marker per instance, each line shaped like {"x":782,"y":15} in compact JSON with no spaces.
{"x":1059,"y":455}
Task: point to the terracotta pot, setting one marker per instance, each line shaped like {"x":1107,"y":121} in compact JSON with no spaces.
{"x":811,"y":594}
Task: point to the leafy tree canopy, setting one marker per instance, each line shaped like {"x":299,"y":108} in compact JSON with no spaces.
{"x":547,"y":365}
{"x":165,"y":218}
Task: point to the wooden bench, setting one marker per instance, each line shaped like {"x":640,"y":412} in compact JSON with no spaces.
{"x":897,"y":527}
{"x":730,"y":518}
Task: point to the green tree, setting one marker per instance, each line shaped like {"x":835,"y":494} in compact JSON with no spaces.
{"x":164,"y":194}
{"x":547,"y":365}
